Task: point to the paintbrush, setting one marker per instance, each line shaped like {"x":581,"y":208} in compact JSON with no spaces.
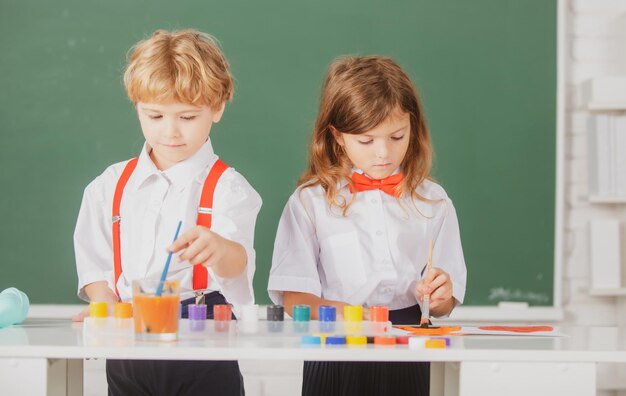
{"x":426,"y":301}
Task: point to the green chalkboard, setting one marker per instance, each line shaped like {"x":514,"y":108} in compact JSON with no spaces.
{"x":486,"y":70}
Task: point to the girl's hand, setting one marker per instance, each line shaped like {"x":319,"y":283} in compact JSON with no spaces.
{"x":437,"y":282}
{"x":201,"y":246}
{"x":366,"y":313}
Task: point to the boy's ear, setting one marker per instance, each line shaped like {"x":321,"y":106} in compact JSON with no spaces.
{"x":217,"y":114}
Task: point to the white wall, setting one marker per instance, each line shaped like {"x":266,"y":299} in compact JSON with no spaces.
{"x":596,"y":47}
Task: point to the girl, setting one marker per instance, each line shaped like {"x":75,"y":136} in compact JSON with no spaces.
{"x":357,"y":229}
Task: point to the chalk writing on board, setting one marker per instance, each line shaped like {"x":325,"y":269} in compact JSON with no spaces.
{"x":498,"y":294}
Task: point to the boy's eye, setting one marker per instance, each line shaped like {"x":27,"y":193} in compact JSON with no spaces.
{"x":155,"y":116}
{"x":188,"y":118}
{"x":397,"y":137}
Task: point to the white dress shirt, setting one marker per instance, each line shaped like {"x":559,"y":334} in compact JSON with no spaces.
{"x":374,"y":255}
{"x":152,"y":204}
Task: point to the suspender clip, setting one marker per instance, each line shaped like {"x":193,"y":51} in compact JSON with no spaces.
{"x":116,"y":219}
{"x":199,"y":297}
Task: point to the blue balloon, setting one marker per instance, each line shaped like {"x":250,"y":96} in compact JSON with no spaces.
{"x":14,"y":306}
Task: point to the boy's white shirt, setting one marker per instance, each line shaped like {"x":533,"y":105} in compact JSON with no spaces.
{"x":374,"y":255}
{"x":152,"y":204}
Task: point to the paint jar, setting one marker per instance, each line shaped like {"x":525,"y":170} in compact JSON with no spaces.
{"x":275,"y":318}
{"x":301,"y":318}
{"x":310,"y":340}
{"x":197,"y":316}
{"x":98,"y":309}
{"x":356,"y":341}
{"x":379,"y":319}
{"x":122,"y":316}
{"x":248,"y":323}
{"x":385,"y":340}
{"x":122,"y":310}
{"x":353,"y":317}
{"x":156,"y":316}
{"x":222,"y":316}
{"x":327,"y":317}
{"x":335,"y":340}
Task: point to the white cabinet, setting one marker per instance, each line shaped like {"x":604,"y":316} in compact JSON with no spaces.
{"x":605,"y":99}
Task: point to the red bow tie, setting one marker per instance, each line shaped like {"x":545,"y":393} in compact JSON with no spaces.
{"x":390,"y":185}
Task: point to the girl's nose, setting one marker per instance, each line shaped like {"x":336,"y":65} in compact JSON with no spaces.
{"x":382,"y":150}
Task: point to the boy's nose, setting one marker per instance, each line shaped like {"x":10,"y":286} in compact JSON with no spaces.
{"x":171,"y":129}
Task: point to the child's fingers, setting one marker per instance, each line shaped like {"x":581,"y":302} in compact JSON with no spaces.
{"x":193,"y":250}
{"x":430,"y":275}
{"x":184,"y":240}
{"x":81,"y":315}
{"x":442,"y":294}
{"x":420,"y":290}
{"x":441,"y":279}
{"x":203,"y":257}
{"x":433,"y":280}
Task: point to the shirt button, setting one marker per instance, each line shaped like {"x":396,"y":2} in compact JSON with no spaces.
{"x":379,"y":233}
{"x":374,"y":201}
{"x":385,"y":261}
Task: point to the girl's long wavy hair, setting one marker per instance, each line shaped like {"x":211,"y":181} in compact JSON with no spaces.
{"x":359,"y":93}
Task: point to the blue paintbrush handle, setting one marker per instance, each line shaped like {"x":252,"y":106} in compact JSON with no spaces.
{"x":167,"y":264}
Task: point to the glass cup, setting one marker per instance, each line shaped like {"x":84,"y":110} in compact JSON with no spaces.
{"x":156,"y":317}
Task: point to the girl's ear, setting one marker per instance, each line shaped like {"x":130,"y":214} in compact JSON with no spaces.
{"x":337,"y":135}
{"x":217,"y":114}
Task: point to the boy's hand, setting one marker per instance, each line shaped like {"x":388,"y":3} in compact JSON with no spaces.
{"x":437,"y":282}
{"x":201,"y":246}
{"x":97,"y":291}
{"x":81,"y":315}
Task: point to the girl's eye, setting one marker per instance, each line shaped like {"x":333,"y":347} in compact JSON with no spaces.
{"x":365,"y":141}
{"x":188,"y":118}
{"x":397,"y":137}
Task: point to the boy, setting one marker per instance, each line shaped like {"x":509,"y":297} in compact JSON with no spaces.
{"x":179,"y":83}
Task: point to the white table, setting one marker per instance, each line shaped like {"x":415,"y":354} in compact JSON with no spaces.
{"x":45,"y":357}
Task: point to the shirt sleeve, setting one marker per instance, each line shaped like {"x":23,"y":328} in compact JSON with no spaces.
{"x":236,"y":206}
{"x":296,"y":252}
{"x":92,"y":239}
{"x":448,"y":251}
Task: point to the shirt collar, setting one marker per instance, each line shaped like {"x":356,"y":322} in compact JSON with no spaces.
{"x":180,"y":174}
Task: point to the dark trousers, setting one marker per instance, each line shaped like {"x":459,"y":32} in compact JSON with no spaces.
{"x":176,"y":377}
{"x":370,"y":378}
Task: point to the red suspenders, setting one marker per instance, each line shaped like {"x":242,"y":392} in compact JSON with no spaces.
{"x":205,"y":211}
{"x":117,"y":198}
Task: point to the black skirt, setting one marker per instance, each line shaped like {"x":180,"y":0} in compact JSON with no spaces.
{"x":369,"y":378}
{"x":176,"y":377}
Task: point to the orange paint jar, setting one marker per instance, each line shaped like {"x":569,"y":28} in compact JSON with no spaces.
{"x":156,"y":317}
